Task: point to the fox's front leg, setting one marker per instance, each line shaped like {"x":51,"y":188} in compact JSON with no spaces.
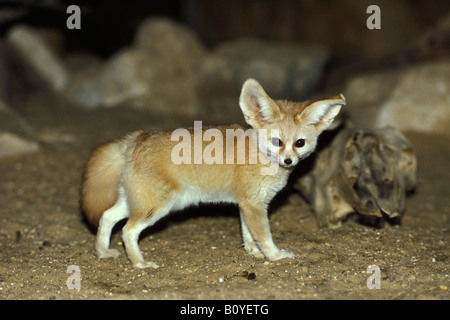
{"x":249,"y":244}
{"x":255,"y":224}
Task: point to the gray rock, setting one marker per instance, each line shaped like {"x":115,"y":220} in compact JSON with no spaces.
{"x":84,"y":88}
{"x":416,"y":98}
{"x":420,"y":101}
{"x":37,"y":54}
{"x":173,"y":41}
{"x":157,"y":73}
{"x":11,"y":145}
{"x":366,"y":93}
{"x":126,"y":76}
{"x":16,"y":135}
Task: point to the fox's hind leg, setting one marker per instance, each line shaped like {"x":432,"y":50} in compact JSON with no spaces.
{"x":108,"y":220}
{"x":130,"y":237}
{"x":148,"y":203}
{"x":139,"y":220}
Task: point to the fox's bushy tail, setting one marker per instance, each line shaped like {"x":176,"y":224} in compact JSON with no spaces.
{"x":101,"y":178}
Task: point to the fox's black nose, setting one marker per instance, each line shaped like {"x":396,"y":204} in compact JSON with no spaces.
{"x":287,"y":161}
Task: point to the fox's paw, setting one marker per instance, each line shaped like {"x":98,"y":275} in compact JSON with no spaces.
{"x":146,"y":264}
{"x":108,"y":253}
{"x":254,"y":251}
{"x":280,"y":254}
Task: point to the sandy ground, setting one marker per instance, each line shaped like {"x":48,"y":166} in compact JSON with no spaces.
{"x":43,"y":233}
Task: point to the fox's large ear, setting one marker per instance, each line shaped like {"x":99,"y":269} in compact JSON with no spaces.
{"x":258,"y":108}
{"x":322,"y":113}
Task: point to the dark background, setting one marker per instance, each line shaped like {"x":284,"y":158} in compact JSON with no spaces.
{"x":340,"y":25}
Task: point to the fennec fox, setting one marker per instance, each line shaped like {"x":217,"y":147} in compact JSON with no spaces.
{"x":137,"y":177}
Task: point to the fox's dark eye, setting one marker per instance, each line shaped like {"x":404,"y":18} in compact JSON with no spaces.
{"x":277,"y":142}
{"x":299,"y":143}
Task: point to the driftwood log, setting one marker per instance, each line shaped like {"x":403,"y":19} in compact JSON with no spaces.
{"x":367,"y":171}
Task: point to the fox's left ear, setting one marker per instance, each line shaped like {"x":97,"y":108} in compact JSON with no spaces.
{"x":322,"y":113}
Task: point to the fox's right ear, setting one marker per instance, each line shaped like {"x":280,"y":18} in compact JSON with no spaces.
{"x":258,"y":108}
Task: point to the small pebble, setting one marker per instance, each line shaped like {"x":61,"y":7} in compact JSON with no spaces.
{"x":18,"y":236}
